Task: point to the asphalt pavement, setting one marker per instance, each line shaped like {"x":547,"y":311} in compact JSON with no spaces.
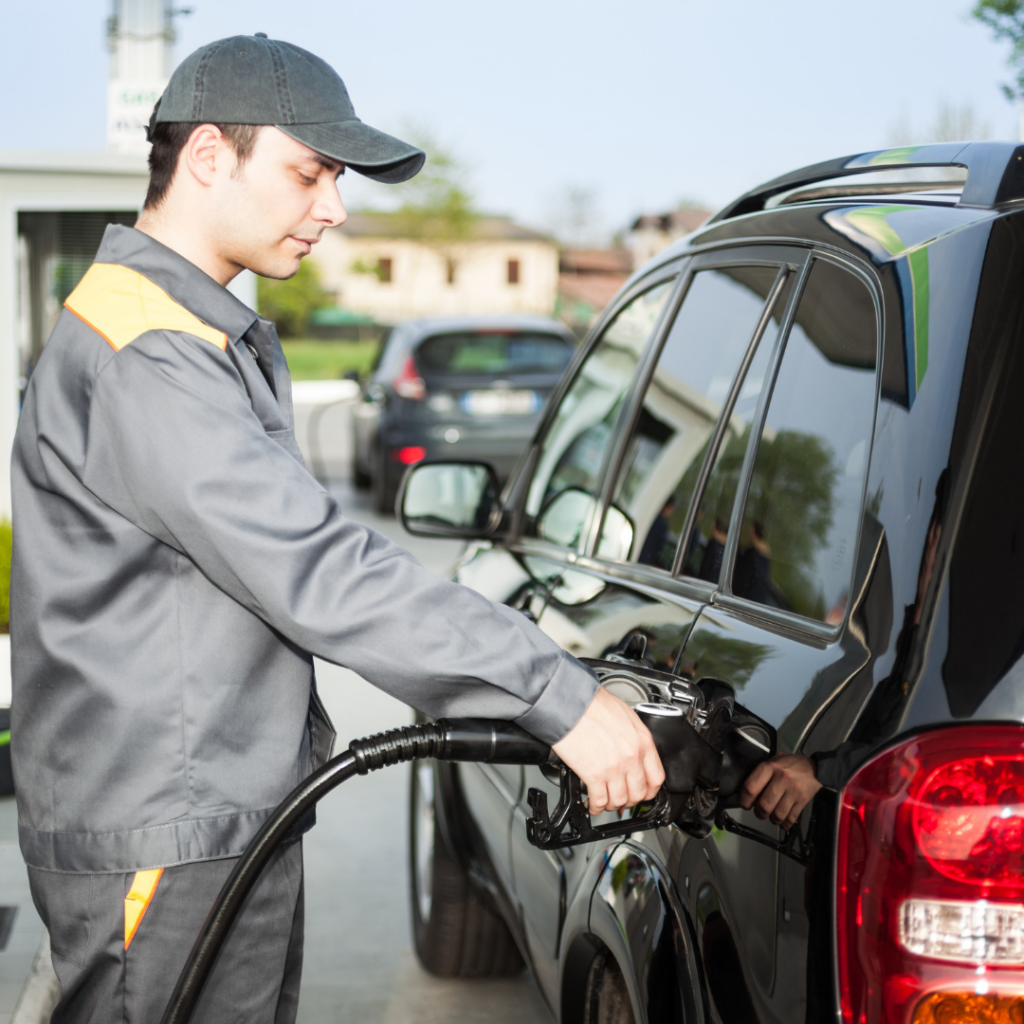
{"x":359,"y":962}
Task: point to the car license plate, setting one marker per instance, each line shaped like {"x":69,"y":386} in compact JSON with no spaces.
{"x":500,"y":403}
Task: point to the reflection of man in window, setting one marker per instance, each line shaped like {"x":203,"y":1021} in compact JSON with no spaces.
{"x":714,"y":550}
{"x":658,"y":537}
{"x":752,"y":576}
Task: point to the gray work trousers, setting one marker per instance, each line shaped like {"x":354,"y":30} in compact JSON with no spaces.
{"x":255,"y":979}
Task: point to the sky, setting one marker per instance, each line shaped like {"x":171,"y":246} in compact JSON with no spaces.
{"x":641,"y":105}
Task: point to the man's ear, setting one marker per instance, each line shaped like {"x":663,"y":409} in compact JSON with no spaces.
{"x":206,"y":153}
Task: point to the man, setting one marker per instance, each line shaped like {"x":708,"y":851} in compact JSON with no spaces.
{"x":176,"y":568}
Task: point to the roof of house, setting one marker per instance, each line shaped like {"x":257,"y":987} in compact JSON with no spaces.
{"x":595,"y":290}
{"x":675,"y":222}
{"x":595,"y":261}
{"x":486,"y":229}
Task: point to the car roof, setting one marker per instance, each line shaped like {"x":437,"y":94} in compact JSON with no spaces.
{"x":413,"y":331}
{"x":994,"y":183}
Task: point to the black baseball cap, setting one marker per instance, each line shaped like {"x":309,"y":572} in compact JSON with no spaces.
{"x":256,"y":80}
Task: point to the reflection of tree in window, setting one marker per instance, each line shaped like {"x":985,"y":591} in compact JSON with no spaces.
{"x":709,"y":653}
{"x":786,"y":521}
{"x":683,"y":402}
{"x":799,"y":527}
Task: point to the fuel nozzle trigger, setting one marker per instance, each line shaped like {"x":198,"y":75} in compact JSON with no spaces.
{"x":708,"y":744}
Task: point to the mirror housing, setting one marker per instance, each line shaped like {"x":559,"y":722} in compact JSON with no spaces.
{"x":450,"y":499}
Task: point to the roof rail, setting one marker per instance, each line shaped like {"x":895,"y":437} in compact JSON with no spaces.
{"x":995,"y":173}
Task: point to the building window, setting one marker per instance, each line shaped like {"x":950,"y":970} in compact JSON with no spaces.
{"x":513,"y":271}
{"x":384,"y":271}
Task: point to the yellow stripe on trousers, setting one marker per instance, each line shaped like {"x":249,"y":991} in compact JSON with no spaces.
{"x":137,"y":902}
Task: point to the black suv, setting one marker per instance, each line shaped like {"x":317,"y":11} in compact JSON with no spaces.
{"x":790,"y":457}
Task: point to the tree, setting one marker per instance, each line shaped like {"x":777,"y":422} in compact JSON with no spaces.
{"x":574,"y":217}
{"x":951,"y":124}
{"x":437,"y":209}
{"x":291,"y":302}
{"x":1006,"y":20}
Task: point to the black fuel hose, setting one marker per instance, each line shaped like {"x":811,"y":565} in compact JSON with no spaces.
{"x":458,"y":739}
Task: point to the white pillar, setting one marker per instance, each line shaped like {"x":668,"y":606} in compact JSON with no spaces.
{"x":140,"y":37}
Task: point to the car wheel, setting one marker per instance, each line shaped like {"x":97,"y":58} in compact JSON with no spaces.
{"x":361,"y":478}
{"x":456,"y":935}
{"x":382,"y":490}
{"x":607,"y":998}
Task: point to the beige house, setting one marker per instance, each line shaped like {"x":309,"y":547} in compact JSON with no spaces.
{"x":373,"y":269}
{"x":652,"y":232}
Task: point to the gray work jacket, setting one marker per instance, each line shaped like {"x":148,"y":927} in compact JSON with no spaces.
{"x":175,"y":570}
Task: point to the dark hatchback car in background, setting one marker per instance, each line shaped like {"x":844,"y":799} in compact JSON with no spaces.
{"x":455,"y":387}
{"x":789,"y":457}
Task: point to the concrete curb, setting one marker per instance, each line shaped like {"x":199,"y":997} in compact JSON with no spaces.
{"x":41,"y":991}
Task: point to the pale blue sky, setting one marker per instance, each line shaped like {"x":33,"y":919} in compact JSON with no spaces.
{"x":643,"y":102}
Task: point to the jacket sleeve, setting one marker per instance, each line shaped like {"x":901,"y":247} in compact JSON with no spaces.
{"x":176,"y":449}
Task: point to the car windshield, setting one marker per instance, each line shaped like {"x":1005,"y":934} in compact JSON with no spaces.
{"x":490,"y":353}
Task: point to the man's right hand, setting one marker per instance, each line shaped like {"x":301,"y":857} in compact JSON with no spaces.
{"x":612,"y":752}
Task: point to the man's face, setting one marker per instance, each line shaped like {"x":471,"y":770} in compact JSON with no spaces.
{"x":270,"y":212}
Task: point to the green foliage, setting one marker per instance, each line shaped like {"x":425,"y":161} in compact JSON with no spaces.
{"x":360,"y":266}
{"x":436,"y":207}
{"x":791,"y":495}
{"x":1006,"y":20}
{"x":710,"y":653}
{"x":328,"y":360}
{"x":290,"y":303}
{"x":5,"y":575}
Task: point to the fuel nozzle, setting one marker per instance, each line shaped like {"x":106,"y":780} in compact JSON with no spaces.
{"x":708,"y":745}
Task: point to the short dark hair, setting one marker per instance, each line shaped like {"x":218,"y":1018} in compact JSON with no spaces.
{"x":169,"y":138}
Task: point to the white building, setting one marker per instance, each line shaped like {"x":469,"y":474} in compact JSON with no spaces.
{"x":54,"y":208}
{"x":373,"y":269}
{"x":652,"y":232}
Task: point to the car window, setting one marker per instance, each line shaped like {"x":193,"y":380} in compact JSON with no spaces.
{"x":565,"y":481}
{"x":682,"y":405}
{"x":705,"y":547}
{"x":493,"y":353}
{"x":799,"y":526}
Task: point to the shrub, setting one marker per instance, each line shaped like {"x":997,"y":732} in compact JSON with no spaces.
{"x":5,"y":575}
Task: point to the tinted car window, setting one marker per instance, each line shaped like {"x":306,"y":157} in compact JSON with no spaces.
{"x":493,"y":353}
{"x":565,"y":482}
{"x":705,"y":548}
{"x":682,"y":405}
{"x":799,"y":526}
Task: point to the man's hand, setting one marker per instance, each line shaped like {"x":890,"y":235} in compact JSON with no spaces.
{"x":780,"y":789}
{"x":612,"y":752}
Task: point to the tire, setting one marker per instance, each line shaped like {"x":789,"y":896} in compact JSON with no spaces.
{"x":361,"y":478}
{"x":455,"y":934}
{"x":607,"y":998}
{"x":382,"y":490}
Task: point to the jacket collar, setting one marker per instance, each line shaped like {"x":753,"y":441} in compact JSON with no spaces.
{"x":182,"y":280}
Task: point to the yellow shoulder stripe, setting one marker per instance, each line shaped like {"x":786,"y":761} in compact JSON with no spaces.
{"x":120,"y":304}
{"x":137,"y":902}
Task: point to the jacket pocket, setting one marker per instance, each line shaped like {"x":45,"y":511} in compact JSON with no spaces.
{"x":321,"y":731}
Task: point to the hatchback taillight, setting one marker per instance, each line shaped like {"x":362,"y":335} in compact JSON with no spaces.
{"x":930,"y":881}
{"x":409,"y":383}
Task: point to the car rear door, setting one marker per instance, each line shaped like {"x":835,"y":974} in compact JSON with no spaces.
{"x":616,"y":597}
{"x":786,"y":623}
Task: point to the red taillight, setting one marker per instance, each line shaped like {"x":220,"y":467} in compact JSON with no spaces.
{"x":409,"y":384}
{"x":408,"y":456}
{"x":930,"y":885}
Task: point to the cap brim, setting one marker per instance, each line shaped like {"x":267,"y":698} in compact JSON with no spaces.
{"x":371,"y":152}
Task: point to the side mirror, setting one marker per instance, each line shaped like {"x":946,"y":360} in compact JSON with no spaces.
{"x":450,"y":499}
